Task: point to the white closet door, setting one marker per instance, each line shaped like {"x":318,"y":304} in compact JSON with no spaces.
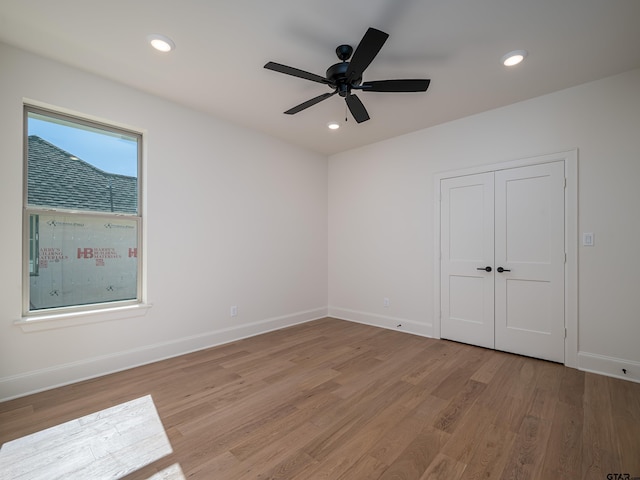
{"x":467,"y":248}
{"x":529,"y":245}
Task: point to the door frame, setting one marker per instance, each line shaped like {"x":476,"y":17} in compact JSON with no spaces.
{"x":570,"y":159}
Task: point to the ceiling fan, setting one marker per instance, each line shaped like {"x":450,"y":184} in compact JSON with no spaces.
{"x":346,"y":76}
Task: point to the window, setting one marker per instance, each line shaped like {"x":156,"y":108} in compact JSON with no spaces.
{"x":82,"y":221}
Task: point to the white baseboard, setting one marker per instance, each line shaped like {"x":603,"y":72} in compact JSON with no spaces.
{"x":609,"y":366}
{"x":391,"y":323}
{"x":65,"y":374}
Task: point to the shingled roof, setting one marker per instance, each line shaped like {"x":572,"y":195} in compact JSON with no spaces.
{"x":58,"y":179}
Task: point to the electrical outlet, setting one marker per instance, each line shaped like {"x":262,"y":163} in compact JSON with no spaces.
{"x":234,"y":310}
{"x":386,"y":302}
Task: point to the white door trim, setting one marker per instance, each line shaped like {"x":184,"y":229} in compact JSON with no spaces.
{"x":570,"y":159}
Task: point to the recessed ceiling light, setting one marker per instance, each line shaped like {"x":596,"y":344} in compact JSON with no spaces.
{"x":513,"y":58}
{"x":161,"y":43}
{"x":333,"y":125}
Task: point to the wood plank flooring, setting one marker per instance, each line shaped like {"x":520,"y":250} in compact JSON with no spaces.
{"x":337,"y":400}
{"x":107,"y":444}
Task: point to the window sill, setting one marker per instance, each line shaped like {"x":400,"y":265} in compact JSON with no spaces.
{"x":63,"y":320}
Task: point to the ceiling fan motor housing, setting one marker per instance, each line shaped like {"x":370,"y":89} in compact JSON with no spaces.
{"x":337,"y":77}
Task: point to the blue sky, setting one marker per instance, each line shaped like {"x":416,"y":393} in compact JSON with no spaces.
{"x":113,"y":154}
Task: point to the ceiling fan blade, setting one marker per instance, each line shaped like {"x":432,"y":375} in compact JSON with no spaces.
{"x":367,"y":50}
{"x":357,"y":108}
{"x":413,"y":85}
{"x":277,"y":67}
{"x":310,"y":103}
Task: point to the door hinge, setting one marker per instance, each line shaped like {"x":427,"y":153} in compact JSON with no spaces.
{"x":565,"y":332}
{"x":565,"y":257}
{"x":565,"y":182}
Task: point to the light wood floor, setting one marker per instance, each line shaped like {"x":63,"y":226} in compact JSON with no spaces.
{"x":338,"y":400}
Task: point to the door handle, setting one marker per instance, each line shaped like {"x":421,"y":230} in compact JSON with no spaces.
{"x":500,"y":269}
{"x":486,"y":269}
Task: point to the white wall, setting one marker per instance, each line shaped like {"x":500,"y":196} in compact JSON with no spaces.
{"x":381,"y":212}
{"x":234,"y":217}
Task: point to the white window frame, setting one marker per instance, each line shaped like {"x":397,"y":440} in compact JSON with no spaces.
{"x":33,"y":320}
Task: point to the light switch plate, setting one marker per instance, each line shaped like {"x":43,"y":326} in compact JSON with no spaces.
{"x":587,"y":239}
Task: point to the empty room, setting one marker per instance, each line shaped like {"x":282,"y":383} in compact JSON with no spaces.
{"x":320,"y":240}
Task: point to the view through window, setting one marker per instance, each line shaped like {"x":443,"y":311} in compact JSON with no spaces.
{"x":82,"y":212}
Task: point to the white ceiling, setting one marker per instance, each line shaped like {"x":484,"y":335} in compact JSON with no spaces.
{"x":222,"y":46}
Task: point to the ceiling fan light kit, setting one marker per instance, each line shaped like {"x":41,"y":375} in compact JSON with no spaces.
{"x":345,"y":76}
